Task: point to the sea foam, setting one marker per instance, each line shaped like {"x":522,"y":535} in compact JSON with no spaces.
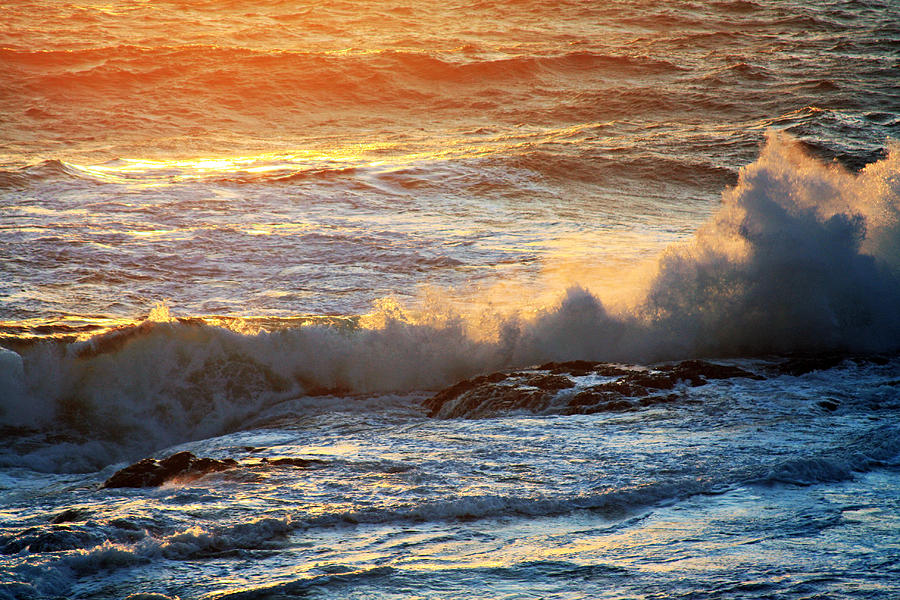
{"x":801,"y":256}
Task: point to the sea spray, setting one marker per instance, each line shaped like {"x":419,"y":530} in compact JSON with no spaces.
{"x":799,"y":258}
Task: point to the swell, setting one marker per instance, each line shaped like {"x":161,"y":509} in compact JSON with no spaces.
{"x":48,"y":170}
{"x":363,"y":77}
{"x":589,"y":166}
{"x":624,"y":168}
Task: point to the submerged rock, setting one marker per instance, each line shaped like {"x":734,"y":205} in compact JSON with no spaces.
{"x":70,"y":515}
{"x":554,"y":388}
{"x":304,"y":463}
{"x":798,"y":365}
{"x":184,"y":465}
{"x":579,"y":368}
{"x":697,"y":371}
{"x":829,"y":404}
{"x":56,"y":538}
{"x":151,"y":472}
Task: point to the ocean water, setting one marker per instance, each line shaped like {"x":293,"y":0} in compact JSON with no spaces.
{"x":515,"y":299}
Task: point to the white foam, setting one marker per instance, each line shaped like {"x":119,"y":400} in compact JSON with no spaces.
{"x":801,"y":256}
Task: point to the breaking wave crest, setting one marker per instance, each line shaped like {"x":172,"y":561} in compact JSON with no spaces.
{"x":802,"y":256}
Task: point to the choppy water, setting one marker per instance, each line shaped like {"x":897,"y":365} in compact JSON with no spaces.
{"x":273,"y":229}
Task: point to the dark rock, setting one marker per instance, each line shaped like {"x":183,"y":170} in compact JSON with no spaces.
{"x":595,"y":400}
{"x":437,"y":401}
{"x":489,"y":400}
{"x":550,"y":383}
{"x":71,"y":514}
{"x":14,"y":544}
{"x":125,"y":524}
{"x":593,"y":396}
{"x":305,"y":463}
{"x":65,"y":539}
{"x":801,"y":365}
{"x":607,"y":370}
{"x":691,"y":371}
{"x":629,"y":386}
{"x":829,"y":404}
{"x":532,"y":390}
{"x":57,"y":538}
{"x":580,"y":368}
{"x":878,"y":359}
{"x":543,"y":389}
{"x":654,"y":380}
{"x":586,"y":408}
{"x":651,"y":400}
{"x":151,"y":473}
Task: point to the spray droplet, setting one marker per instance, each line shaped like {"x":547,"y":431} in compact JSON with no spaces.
{"x":160,"y":313}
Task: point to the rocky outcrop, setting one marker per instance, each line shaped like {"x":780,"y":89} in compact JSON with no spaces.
{"x":561,"y":388}
{"x":151,"y":472}
{"x":56,"y":538}
{"x":799,"y":365}
{"x":303,"y":463}
{"x":184,"y":466}
{"x":71,"y":515}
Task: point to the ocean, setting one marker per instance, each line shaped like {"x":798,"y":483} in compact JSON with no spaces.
{"x":511,"y":299}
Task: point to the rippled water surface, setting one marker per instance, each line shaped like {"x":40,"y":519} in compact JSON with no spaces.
{"x":274,"y":232}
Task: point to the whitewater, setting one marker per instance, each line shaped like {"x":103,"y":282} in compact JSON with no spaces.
{"x":498,"y":300}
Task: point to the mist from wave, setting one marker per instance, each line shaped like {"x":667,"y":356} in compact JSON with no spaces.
{"x":802,"y":256}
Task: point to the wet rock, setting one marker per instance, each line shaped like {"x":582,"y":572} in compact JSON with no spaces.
{"x":594,"y":401}
{"x":65,"y":539}
{"x":13,"y":545}
{"x":71,"y":515}
{"x":552,"y":387}
{"x":57,"y":538}
{"x":801,"y":365}
{"x":436,"y":402}
{"x":549,"y":383}
{"x":305,"y":463}
{"x":151,"y":473}
{"x":580,"y":368}
{"x":697,"y":371}
{"x":125,"y":524}
{"x":651,"y":400}
{"x":488,"y":400}
{"x":500,"y":393}
{"x":829,"y":404}
{"x":594,"y":395}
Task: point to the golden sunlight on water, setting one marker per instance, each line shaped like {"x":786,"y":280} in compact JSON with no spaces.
{"x":399,"y":299}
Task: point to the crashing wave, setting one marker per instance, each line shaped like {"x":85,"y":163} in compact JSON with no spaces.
{"x":802,"y":257}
